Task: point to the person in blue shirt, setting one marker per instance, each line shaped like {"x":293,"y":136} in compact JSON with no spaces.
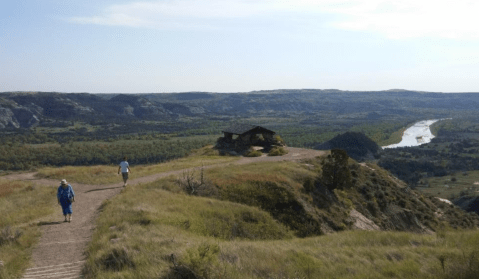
{"x":65,"y":197}
{"x":125,"y":169}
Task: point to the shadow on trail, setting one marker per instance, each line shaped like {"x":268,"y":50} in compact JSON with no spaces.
{"x":101,"y":189}
{"x":49,"y":223}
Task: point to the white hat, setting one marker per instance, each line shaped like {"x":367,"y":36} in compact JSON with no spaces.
{"x":64,"y":182}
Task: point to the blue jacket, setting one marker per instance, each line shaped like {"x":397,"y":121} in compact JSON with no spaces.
{"x":65,"y":193}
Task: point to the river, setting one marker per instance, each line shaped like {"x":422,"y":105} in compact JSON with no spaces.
{"x":419,"y":133}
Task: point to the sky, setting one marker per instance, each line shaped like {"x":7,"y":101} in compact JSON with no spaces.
{"x":156,"y":46}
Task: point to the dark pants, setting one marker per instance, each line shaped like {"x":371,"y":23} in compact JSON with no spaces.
{"x":125,"y":175}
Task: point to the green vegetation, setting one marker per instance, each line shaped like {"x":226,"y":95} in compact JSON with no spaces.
{"x":250,"y":221}
{"x":451,"y":186}
{"x":357,"y":145}
{"x":16,"y":156}
{"x":383,"y":133}
{"x":156,"y":230}
{"x":109,"y":174}
{"x":277,"y":151}
{"x":146,"y":223}
{"x":275,"y":188}
{"x":311,"y":135}
{"x":336,"y":173}
{"x":22,"y":204}
{"x":454,"y":150}
{"x":253,"y":153}
{"x":244,"y":221}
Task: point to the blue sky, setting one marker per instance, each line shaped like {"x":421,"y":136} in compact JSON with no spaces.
{"x":238,"y":45}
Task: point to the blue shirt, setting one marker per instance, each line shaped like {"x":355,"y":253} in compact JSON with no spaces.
{"x":65,"y":193}
{"x":124,"y":166}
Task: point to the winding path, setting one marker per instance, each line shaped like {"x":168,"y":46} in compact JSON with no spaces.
{"x":60,"y":251}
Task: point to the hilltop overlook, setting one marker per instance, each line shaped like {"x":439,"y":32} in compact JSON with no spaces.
{"x":157,"y":225}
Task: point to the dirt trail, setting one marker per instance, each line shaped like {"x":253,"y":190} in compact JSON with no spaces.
{"x":60,"y":251}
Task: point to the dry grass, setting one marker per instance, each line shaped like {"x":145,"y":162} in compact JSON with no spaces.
{"x":160,"y":234}
{"x":8,"y":187}
{"x":147,"y":224}
{"x":109,"y":174}
{"x":147,"y":232}
{"x":153,"y":233}
{"x":21,"y":205}
{"x":25,"y":203}
{"x":280,"y":172}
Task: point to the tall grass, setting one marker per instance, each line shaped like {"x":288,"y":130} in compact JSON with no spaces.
{"x":8,"y":187}
{"x":21,"y":204}
{"x":148,"y":232}
{"x":109,"y":174}
{"x":146,"y":222}
{"x":291,"y":173}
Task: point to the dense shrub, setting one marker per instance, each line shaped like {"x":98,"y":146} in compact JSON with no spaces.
{"x":277,"y":151}
{"x":280,"y":202}
{"x":202,"y":259}
{"x":253,"y":153}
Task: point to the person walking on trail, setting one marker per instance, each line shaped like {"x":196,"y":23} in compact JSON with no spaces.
{"x":125,"y":169}
{"x":65,"y":197}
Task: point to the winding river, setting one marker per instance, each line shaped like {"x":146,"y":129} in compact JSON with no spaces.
{"x":419,"y":133}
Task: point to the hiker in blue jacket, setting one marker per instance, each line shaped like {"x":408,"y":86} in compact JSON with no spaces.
{"x":65,"y":197}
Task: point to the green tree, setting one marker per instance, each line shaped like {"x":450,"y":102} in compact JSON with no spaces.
{"x":336,"y":174}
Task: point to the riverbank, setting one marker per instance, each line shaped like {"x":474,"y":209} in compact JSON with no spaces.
{"x":418,"y":134}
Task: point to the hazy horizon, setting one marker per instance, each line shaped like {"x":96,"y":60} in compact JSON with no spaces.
{"x":241,"y":92}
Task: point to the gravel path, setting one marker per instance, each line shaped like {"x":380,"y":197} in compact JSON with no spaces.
{"x":60,"y":251}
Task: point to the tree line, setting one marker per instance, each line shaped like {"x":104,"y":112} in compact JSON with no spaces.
{"x":444,"y":155}
{"x":26,"y":156}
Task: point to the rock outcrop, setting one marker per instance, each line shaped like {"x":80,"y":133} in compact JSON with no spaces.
{"x":15,"y":115}
{"x":7,"y":118}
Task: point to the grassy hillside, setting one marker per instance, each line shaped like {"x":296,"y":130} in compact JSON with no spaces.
{"x":277,"y":220}
{"x":102,"y":174}
{"x":258,"y":220}
{"x":452,"y":186}
{"x":22,"y":208}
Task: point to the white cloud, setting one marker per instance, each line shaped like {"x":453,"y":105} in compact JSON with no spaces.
{"x":174,"y":13}
{"x":395,"y":19}
{"x":412,"y":18}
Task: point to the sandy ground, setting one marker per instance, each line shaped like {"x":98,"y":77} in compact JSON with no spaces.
{"x":60,"y":251}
